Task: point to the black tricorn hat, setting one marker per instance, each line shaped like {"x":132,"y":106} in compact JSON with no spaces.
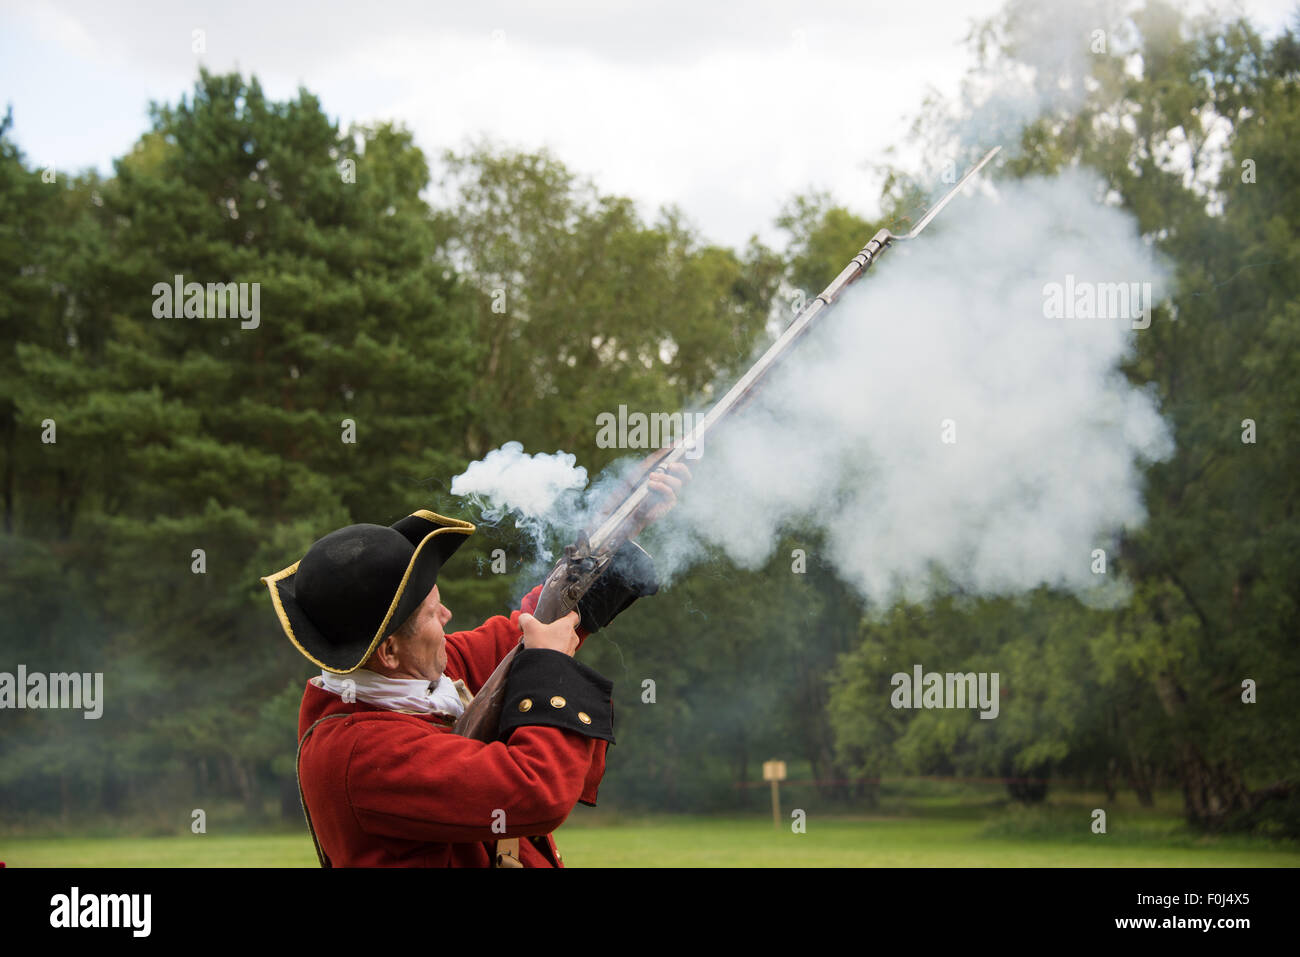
{"x":356,"y":586}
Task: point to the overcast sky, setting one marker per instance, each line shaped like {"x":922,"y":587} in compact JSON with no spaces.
{"x":723,"y":108}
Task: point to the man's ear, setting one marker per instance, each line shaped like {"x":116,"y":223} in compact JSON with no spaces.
{"x":386,"y":652}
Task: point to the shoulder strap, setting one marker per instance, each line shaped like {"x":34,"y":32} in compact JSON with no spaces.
{"x":320,"y":854}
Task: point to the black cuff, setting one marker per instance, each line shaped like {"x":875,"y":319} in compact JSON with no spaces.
{"x":551,"y":689}
{"x":631,"y":575}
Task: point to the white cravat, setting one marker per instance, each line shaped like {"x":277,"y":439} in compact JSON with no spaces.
{"x":396,"y":694}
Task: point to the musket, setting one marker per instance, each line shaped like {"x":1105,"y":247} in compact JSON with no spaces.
{"x":590,"y":556}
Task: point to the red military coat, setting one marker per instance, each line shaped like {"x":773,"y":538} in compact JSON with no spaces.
{"x":386,"y":788}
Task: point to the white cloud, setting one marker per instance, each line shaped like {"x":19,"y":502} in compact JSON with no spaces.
{"x":724,"y":109}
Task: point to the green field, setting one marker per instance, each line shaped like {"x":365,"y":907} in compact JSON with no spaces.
{"x":664,"y":841}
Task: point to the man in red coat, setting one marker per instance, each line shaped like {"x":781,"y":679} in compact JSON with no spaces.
{"x":384,"y":780}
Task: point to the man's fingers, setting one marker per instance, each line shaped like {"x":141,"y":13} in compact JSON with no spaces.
{"x":572,"y":619}
{"x":525,"y":618}
{"x":663,"y":483}
{"x":674,"y":476}
{"x":560,"y":635}
{"x":665,"y":486}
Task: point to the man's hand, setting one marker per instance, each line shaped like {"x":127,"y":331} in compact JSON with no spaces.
{"x":557,"y":636}
{"x":664,"y":485}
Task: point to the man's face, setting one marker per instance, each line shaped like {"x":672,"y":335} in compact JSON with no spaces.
{"x":422,"y":653}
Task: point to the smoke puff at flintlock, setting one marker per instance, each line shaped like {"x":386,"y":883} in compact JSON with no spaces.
{"x":847,"y":436}
{"x":533,"y":487}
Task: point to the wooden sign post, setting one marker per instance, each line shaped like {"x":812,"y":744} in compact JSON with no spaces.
{"x":774,"y":771}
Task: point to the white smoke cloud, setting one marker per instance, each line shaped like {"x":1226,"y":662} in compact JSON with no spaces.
{"x":848,"y":436}
{"x":539,"y":490}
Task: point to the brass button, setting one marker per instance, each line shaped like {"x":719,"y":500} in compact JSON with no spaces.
{"x":584,"y":717}
{"x":526,"y":704}
{"x":558,"y":702}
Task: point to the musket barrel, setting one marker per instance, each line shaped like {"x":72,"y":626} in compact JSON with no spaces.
{"x":732,"y":399}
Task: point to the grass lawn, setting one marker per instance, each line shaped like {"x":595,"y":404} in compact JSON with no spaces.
{"x":885,"y":842}
{"x":191,"y":850}
{"x":593,"y":840}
